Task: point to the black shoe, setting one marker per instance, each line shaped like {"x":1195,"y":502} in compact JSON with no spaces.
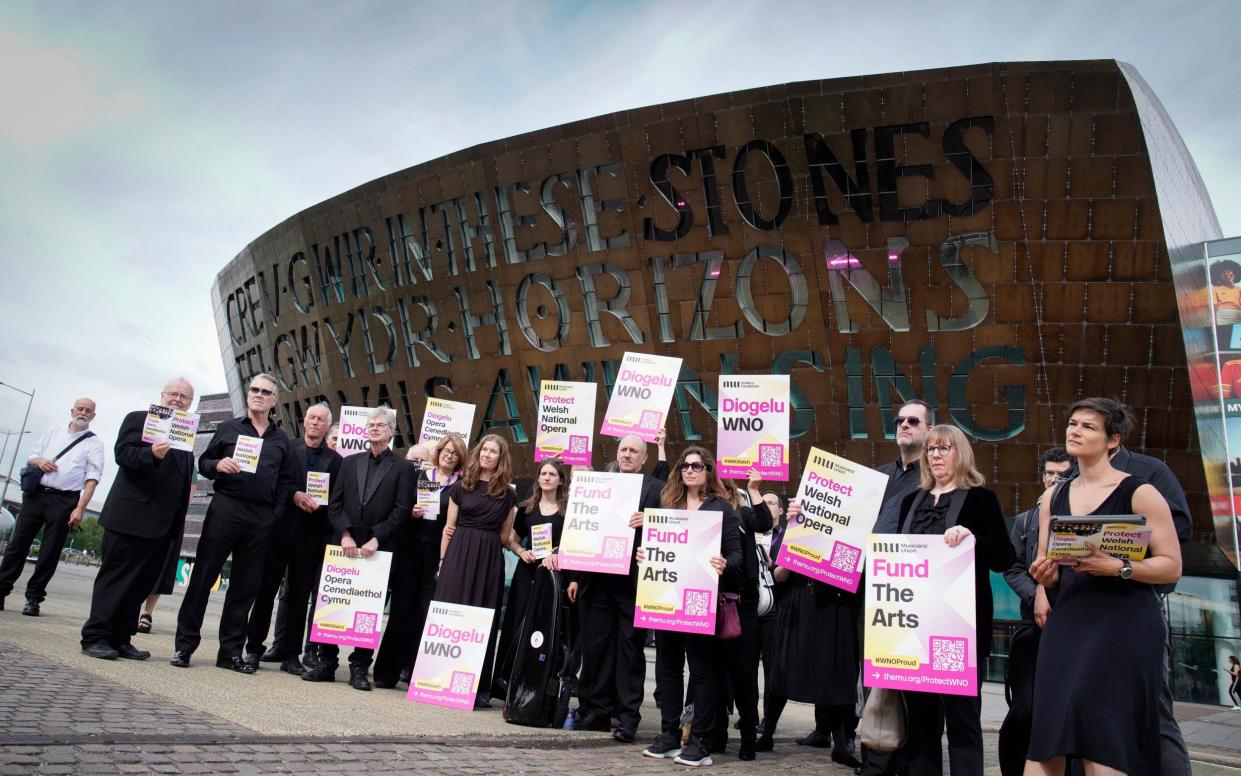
{"x":1,"y":603}
{"x":482,"y":702}
{"x":310,"y":659}
{"x":694,"y":755}
{"x":130,"y":652}
{"x":234,"y":664}
{"x":745,"y":750}
{"x":31,"y":609}
{"x":815,"y":739}
{"x":764,"y":743}
{"x":720,"y":742}
{"x":623,"y":735}
{"x":405,"y":676}
{"x":664,"y":746}
{"x":100,"y":649}
{"x":357,"y":678}
{"x":320,"y":673}
{"x":293,"y":666}
{"x":595,"y":724}
{"x":273,"y":655}
{"x":384,"y":684}
{"x":253,"y":659}
{"x":180,"y":659}
{"x":845,"y":758}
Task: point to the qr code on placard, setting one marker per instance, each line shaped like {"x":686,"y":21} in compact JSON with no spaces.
{"x":650,"y":419}
{"x":462,"y":683}
{"x":845,"y":557}
{"x":697,"y":603}
{"x":365,"y":622}
{"x":947,"y":654}
{"x":771,"y":455}
{"x":614,"y":547}
{"x":578,"y":444}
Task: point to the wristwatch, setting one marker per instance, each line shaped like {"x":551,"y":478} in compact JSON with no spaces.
{"x":1126,"y":569}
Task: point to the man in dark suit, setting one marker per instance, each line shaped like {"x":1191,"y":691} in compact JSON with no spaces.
{"x":295,"y":551}
{"x":368,"y":510}
{"x":143,"y":515}
{"x":613,"y":658}
{"x":250,"y":498}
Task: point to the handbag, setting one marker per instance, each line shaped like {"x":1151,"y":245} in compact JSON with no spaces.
{"x":727,"y":619}
{"x":32,"y":475}
{"x":883,"y":720}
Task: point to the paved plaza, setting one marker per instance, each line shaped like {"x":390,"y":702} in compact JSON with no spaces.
{"x":64,"y":713}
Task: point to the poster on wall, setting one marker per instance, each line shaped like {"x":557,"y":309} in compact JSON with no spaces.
{"x":641,"y":396}
{"x":920,"y":618}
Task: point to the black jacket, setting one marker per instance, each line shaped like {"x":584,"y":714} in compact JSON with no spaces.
{"x":383,"y":509}
{"x":615,"y":583}
{"x":272,"y":485}
{"x":329,"y":462}
{"x":150,"y":496}
{"x":993,"y":551}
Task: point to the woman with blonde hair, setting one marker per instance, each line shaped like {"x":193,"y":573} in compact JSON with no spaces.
{"x":481,"y":510}
{"x":953,"y":502}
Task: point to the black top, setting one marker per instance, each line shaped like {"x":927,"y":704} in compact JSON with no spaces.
{"x":527,"y":518}
{"x":475,"y":509}
{"x":730,"y":542}
{"x":373,"y":498}
{"x":424,"y":530}
{"x":902,"y":480}
{"x":320,"y":459}
{"x":931,"y":516}
{"x":150,"y":495}
{"x":272,"y":485}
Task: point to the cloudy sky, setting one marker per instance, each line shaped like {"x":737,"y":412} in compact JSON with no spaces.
{"x":144,"y":144}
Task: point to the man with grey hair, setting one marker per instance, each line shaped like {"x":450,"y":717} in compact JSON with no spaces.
{"x":295,"y":551}
{"x":142,"y":520}
{"x":368,"y":509}
{"x":254,"y":473}
{"x":71,"y":461}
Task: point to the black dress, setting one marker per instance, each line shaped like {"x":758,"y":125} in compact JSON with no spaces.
{"x":1100,"y":663}
{"x":519,"y":590}
{"x":473,"y":569}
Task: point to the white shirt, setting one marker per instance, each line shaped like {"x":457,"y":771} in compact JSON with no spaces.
{"x":84,"y":462}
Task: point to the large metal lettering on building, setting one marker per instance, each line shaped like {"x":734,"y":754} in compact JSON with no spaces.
{"x":987,"y":238}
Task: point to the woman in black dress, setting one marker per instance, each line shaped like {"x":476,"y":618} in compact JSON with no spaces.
{"x":816,"y":656}
{"x":416,"y":560}
{"x":694,"y":484}
{"x":1101,"y":656}
{"x":952,"y":501}
{"x":542,"y":511}
{"x":481,"y":510}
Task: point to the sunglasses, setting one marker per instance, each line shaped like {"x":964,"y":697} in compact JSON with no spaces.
{"x":693,"y":466}
{"x":913,"y":422}
{"x":257,"y":391}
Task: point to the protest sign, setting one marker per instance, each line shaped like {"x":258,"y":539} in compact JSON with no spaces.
{"x":1121,"y":536}
{"x":351,"y":437}
{"x":678,"y":590}
{"x":450,"y":656}
{"x":840,"y":501}
{"x":597,"y":536}
{"x":176,"y":427}
{"x":429,"y":493}
{"x":753,"y":426}
{"x":443,"y":417}
{"x":350,"y":603}
{"x":246,"y":453}
{"x":317,"y":487}
{"x":921,"y":632}
{"x":566,"y":422}
{"x":640,"y":398}
{"x":541,"y":539}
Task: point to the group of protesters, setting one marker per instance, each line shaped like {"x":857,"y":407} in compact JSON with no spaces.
{"x":1092,"y":626}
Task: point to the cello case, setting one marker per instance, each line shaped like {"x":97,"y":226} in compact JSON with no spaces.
{"x":537,"y":694}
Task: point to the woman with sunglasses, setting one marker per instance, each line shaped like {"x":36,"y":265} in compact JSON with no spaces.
{"x":417,"y":560}
{"x":542,"y":511}
{"x":480,"y":513}
{"x":693,"y":484}
{"x":953,"y":502}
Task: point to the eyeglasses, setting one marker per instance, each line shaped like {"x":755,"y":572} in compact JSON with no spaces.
{"x":372,"y":426}
{"x":913,"y":421}
{"x":693,"y":466}
{"x":257,"y":391}
{"x":1055,"y":476}
{"x":938,"y":450}
{"x":179,"y":396}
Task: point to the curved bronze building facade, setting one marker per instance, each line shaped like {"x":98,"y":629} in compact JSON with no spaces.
{"x":996,"y":239}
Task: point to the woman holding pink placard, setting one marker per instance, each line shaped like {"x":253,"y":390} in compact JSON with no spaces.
{"x":952,"y":501}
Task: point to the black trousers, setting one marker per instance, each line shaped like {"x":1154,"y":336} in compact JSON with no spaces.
{"x":231,"y":527}
{"x":767,"y":646}
{"x":296,"y":610}
{"x":46,"y":511}
{"x":275,"y":565}
{"x":741,"y":667}
{"x":613,"y":678}
{"x":928,"y":713}
{"x":412,"y":582}
{"x":706,"y":669}
{"x":130,"y":570}
{"x":360,"y":657}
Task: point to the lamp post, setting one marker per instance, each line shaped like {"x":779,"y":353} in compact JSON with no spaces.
{"x":5,"y":449}
{"x":4,"y":492}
